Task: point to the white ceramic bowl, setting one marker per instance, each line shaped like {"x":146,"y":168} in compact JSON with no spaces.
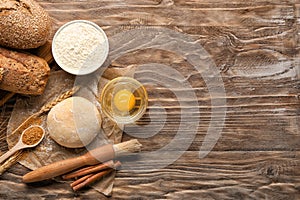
{"x":80,"y":47}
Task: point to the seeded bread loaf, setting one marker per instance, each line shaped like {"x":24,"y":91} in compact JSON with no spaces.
{"x":22,"y":73}
{"x":23,"y":24}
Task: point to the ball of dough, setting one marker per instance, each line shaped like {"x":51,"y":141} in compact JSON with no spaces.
{"x":74,"y":122}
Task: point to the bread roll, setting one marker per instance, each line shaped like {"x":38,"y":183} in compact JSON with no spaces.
{"x":22,"y":72}
{"x":74,"y":122}
{"x":23,"y":24}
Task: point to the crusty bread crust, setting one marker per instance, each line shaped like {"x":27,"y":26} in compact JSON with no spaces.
{"x":23,"y":24}
{"x":22,"y":72}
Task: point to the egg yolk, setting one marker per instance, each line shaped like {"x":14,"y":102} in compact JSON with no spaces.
{"x":124,"y":100}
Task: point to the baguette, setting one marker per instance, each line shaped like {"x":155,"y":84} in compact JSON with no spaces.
{"x":22,"y":72}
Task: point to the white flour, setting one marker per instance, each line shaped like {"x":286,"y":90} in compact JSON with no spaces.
{"x":79,"y":46}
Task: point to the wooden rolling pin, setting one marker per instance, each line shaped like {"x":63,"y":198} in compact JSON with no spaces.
{"x":98,"y":155}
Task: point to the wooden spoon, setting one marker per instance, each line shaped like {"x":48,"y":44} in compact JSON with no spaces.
{"x":22,"y":144}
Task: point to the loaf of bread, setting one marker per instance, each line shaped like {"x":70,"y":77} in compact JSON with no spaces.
{"x":23,"y":24}
{"x":22,"y":73}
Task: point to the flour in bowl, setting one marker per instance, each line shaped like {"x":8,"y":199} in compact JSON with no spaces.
{"x":80,"y":47}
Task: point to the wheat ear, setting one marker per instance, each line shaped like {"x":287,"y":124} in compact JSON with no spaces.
{"x":11,"y":161}
{"x":60,"y":98}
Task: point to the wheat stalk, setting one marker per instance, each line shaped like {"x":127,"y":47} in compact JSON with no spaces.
{"x":60,"y":98}
{"x":10,"y":162}
{"x":3,"y":134}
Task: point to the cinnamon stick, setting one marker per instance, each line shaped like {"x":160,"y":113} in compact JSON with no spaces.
{"x":78,"y":181}
{"x":91,"y":178}
{"x":89,"y":170}
{"x":80,"y":170}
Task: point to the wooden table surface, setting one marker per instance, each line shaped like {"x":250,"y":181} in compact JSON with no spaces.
{"x":254,"y":49}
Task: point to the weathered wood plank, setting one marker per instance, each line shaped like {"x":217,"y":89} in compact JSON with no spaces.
{"x":230,"y":4}
{"x":221,"y":175}
{"x":112,"y":14}
{"x":13,"y":188}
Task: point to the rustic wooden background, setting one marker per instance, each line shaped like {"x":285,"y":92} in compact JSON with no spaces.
{"x":255,"y":45}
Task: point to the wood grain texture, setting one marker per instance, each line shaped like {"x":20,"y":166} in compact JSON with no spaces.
{"x":221,"y":175}
{"x":255,"y":46}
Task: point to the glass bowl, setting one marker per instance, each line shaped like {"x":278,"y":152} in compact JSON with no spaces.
{"x":124,"y":100}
